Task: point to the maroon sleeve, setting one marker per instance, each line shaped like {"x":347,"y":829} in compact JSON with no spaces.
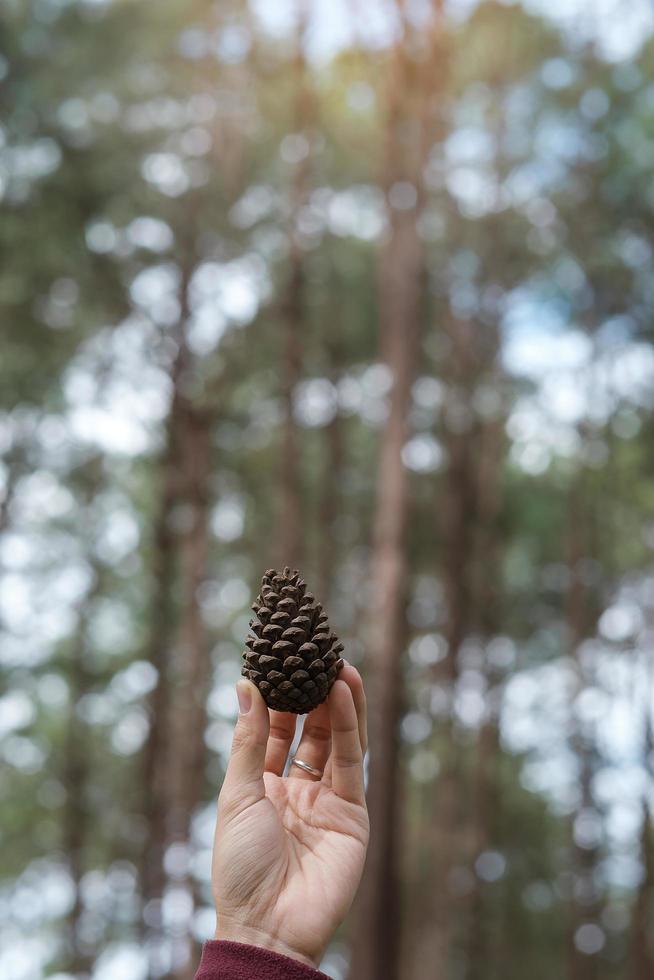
{"x":223,"y":960}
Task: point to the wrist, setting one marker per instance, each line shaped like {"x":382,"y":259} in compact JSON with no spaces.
{"x":237,"y":932}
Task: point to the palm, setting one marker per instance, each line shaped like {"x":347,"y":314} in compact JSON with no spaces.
{"x":301,"y":851}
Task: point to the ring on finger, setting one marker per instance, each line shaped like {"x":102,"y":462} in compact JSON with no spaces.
{"x":307,"y":768}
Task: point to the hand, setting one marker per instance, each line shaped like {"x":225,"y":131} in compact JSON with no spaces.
{"x":289,"y":852}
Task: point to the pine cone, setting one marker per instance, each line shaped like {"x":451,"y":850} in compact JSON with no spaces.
{"x":291,"y":656}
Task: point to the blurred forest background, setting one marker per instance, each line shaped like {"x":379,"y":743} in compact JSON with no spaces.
{"x":367,"y":289}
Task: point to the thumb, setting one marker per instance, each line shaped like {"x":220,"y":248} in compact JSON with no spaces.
{"x":243,"y":783}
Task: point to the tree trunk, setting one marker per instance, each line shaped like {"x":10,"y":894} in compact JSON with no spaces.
{"x":376,"y":937}
{"x":192,"y":666}
{"x":290,"y":540}
{"x":642,"y":948}
{"x":76,"y":773}
{"x":162,"y":626}
{"x":486,"y":567}
{"x":330,"y":483}
{"x":290,"y":546}
{"x":445,"y":846}
{"x":412,"y":85}
{"x":486,"y":798}
{"x":191,"y":669}
{"x":174,"y":750}
{"x":581,"y":614}
{"x":76,"y":815}
{"x":5,"y":503}
{"x":642,"y":957}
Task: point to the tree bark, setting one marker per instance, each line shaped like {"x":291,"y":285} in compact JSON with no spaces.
{"x":330,"y":484}
{"x":486,"y":798}
{"x":15,"y":463}
{"x":376,"y":936}
{"x":289,"y":548}
{"x":581,"y":616}
{"x":290,"y":545}
{"x":641,"y":955}
{"x":641,"y":947}
{"x":5,"y":503}
{"x":459,"y":514}
{"x":192,"y":654}
{"x":162,"y":626}
{"x":192,"y":664}
{"x":76,"y":772}
{"x":76,"y":814}
{"x":174,"y":754}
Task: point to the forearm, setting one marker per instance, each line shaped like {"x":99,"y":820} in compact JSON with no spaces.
{"x":226,"y":960}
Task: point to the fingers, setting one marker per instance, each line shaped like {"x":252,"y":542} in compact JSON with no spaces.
{"x":346,"y":757}
{"x":353,"y":679}
{"x":243,"y":784}
{"x":315,"y":743}
{"x":282,"y":733}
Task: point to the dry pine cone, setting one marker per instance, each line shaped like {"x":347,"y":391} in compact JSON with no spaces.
{"x":291,"y":655}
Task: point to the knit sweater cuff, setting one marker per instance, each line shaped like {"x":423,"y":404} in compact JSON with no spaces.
{"x":224,"y":960}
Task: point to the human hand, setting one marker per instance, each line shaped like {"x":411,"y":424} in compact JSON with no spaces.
{"x":289,"y":851}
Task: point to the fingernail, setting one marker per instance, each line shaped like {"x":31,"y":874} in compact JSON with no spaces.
{"x":244,"y":695}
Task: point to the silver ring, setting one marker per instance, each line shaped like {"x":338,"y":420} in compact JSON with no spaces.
{"x":307,"y":768}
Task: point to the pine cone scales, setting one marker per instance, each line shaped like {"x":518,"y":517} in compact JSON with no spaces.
{"x":292,"y":656}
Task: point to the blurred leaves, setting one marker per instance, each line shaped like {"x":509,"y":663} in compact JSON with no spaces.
{"x":147,"y":155}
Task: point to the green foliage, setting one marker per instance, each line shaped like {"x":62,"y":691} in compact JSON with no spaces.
{"x":147,"y":167}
